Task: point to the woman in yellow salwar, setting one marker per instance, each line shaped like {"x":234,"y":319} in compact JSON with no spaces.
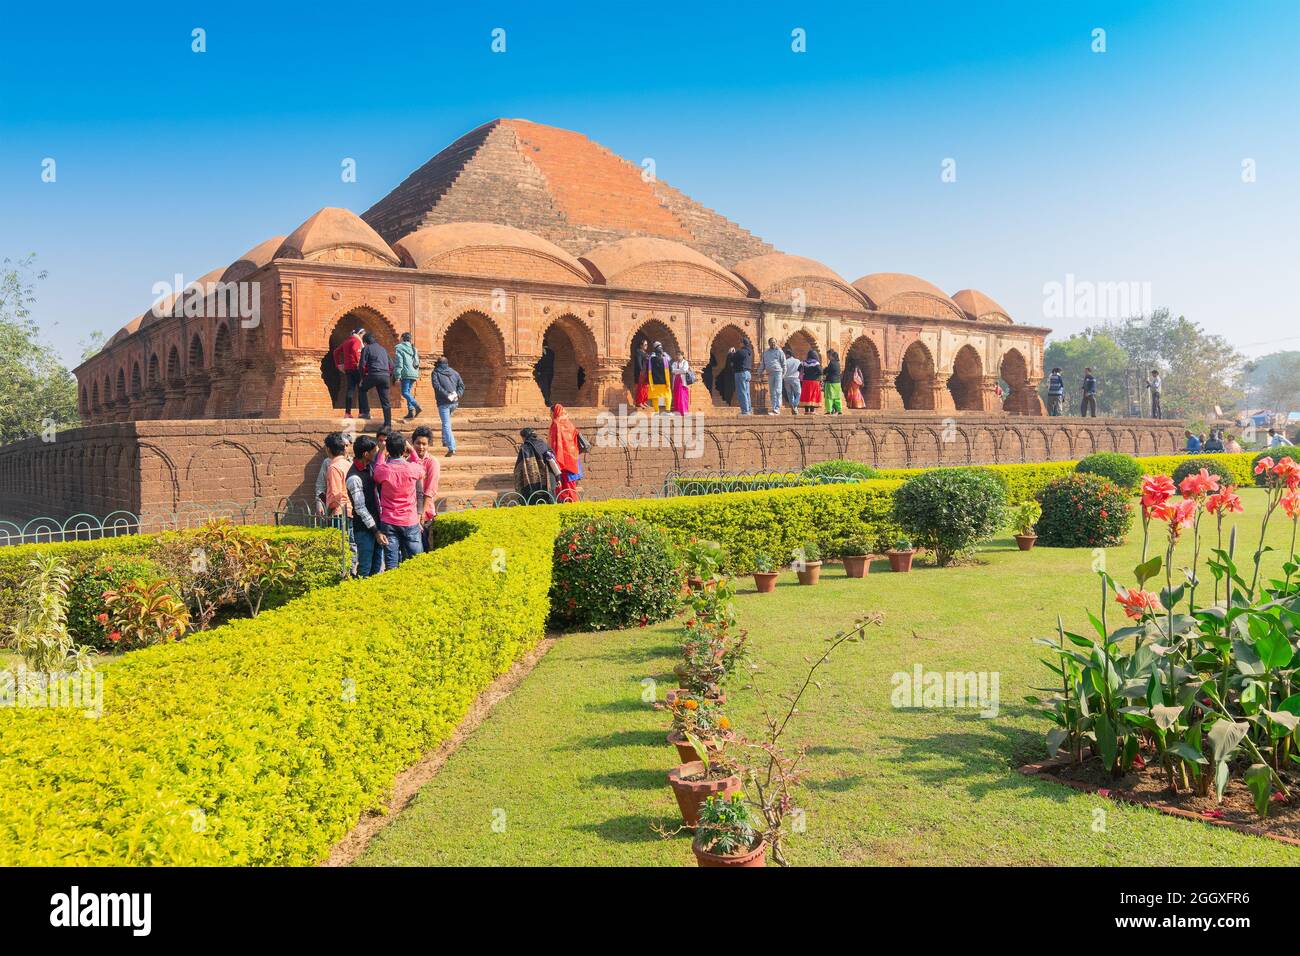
{"x":659,"y":379}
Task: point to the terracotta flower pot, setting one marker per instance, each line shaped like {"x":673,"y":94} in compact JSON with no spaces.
{"x":811,"y":573}
{"x":691,"y":794}
{"x":901,"y":560}
{"x":765,"y":581}
{"x":695,"y":582}
{"x":857,"y":565}
{"x":686,"y":752}
{"x":1026,"y":541}
{"x":755,"y":857}
{"x":720,"y":697}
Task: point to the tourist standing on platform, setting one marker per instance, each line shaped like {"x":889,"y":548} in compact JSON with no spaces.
{"x":408,"y":371}
{"x":1055,"y":392}
{"x":1215,"y":445}
{"x":683,"y":378}
{"x":833,"y":394}
{"x":567,"y":445}
{"x":1154,"y":384}
{"x":535,"y":469}
{"x":347,"y":359}
{"x":400,"y":481}
{"x":1193,"y":443}
{"x":742,"y":363}
{"x":792,"y":380}
{"x":640,"y":367}
{"x":366,"y":532}
{"x":707,"y":374}
{"x":421,"y":442}
{"x":1275,"y":440}
{"x":324,"y":470}
{"x":853,"y":385}
{"x":448,"y":390}
{"x":774,"y":366}
{"x":376,"y":373}
{"x":810,"y":389}
{"x":544,"y":372}
{"x":336,"y":503}
{"x":659,"y":379}
{"x":1088,"y":407}
{"x":1232,"y":446}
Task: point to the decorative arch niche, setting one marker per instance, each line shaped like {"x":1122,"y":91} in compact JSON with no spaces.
{"x":475,"y":349}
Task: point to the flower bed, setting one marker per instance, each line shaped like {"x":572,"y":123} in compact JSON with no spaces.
{"x":263,"y":741}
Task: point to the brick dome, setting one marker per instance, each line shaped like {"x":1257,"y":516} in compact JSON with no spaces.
{"x":980,"y":307}
{"x":252,"y":260}
{"x":126,"y":330}
{"x":336,"y":235}
{"x":660,"y":265}
{"x":165,"y":306}
{"x":777,"y":274}
{"x":488,"y":249}
{"x":906,"y":294}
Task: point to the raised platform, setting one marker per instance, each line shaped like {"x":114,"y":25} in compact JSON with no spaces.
{"x":155,"y":468}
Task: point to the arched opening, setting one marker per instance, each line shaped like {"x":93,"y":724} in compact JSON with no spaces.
{"x":195,"y":363}
{"x":864,"y":357}
{"x":915,"y":382}
{"x":721,"y":389}
{"x":221,"y":345}
{"x":568,"y":359}
{"x":173,"y":365}
{"x":152,"y":375}
{"x":1014,"y":372}
{"x":801,"y":343}
{"x":108,"y":390}
{"x":474,"y":347}
{"x":121,"y":384}
{"x":137,"y":383}
{"x":966,"y":380}
{"x":651,"y":332}
{"x":363,"y":319}
{"x":94,"y":396}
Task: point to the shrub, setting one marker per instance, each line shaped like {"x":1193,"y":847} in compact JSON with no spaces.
{"x":842,"y":468}
{"x":1083,"y":511}
{"x":40,"y":631}
{"x":612,"y":573}
{"x":1277,"y":454}
{"x":281,"y":731}
{"x":853,"y":546}
{"x":950,"y":510}
{"x":143,"y":613}
{"x":1123,"y":470}
{"x":109,"y":572}
{"x":1193,"y":465}
{"x":1024,"y":516}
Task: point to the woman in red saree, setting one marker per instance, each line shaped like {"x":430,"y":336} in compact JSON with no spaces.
{"x":564,"y":445}
{"x":853,"y":390}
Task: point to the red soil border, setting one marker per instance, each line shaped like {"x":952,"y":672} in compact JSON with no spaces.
{"x":1044,"y":770}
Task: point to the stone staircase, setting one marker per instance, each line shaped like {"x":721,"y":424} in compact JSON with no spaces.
{"x":473,"y":469}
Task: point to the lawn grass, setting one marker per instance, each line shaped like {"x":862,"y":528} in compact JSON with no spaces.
{"x":570,"y":769}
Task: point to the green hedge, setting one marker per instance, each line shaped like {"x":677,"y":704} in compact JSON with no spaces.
{"x":320,"y":560}
{"x":774,"y":522}
{"x":263,"y":741}
{"x":1023,"y":481}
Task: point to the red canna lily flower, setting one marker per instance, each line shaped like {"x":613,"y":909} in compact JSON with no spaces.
{"x":1226,"y":501}
{"x":1201,"y":483}
{"x":1137,"y":603}
{"x":1291,"y":504}
{"x":1264,"y":464}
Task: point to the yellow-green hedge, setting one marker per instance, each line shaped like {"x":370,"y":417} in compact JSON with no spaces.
{"x":1023,"y":481}
{"x":263,"y":741}
{"x":773,"y":521}
{"x":320,"y":560}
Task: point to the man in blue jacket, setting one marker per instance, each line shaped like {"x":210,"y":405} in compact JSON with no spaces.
{"x":448,"y":388}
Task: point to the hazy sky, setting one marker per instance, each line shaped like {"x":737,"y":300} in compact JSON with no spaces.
{"x":1128,"y":165}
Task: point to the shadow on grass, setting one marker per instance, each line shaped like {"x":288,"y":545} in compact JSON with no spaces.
{"x":622,"y":738}
{"x":631,"y":779}
{"x":629,"y":829}
{"x":965,"y":757}
{"x":627,"y":705}
{"x":636,"y":655}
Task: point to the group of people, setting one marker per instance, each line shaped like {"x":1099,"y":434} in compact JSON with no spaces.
{"x":663,"y":381}
{"x":547,"y":471}
{"x":1219,"y":441}
{"x":383,"y":491}
{"x":365,"y":364}
{"x":1056,"y":394}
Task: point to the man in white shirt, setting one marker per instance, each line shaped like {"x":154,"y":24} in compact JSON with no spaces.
{"x":790,"y":381}
{"x":774,"y":366}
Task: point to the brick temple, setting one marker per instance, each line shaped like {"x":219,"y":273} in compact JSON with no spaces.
{"x":515,"y":238}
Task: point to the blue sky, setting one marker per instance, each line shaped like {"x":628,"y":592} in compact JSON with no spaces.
{"x":1122,"y":166}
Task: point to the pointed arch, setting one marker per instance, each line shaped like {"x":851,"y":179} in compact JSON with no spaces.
{"x":966,"y":382}
{"x":474,"y":347}
{"x":915,"y":381}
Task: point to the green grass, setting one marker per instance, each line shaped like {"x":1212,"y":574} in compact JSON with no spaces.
{"x":574,"y":761}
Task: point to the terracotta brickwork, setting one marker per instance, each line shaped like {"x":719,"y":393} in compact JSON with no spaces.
{"x":156,"y":469}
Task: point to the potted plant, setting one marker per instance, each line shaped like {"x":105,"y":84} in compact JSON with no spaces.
{"x":809,"y":565}
{"x":698,"y":722}
{"x":701,"y":560}
{"x":712,"y":646}
{"x":900,"y":556}
{"x":764,"y":574}
{"x":698,"y":781}
{"x":725,"y":834}
{"x":1023,"y":518}
{"x":855,"y":552}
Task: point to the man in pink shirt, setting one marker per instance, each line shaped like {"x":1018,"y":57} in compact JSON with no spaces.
{"x":400,"y":483}
{"x":421,"y":441}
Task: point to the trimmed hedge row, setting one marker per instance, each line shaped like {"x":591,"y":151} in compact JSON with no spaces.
{"x":263,"y":741}
{"x":320,"y":560}
{"x":1023,"y":481}
{"x":771,"y":522}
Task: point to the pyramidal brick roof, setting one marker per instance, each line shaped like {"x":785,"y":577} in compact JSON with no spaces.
{"x":559,"y":185}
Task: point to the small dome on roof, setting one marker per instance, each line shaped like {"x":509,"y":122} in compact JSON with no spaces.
{"x":906,"y":294}
{"x":451,"y":247}
{"x":252,"y":260}
{"x":337,"y":235}
{"x":625,"y":263}
{"x":980,"y":307}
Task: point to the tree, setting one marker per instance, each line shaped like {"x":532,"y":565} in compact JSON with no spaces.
{"x":1200,"y":370}
{"x":1097,"y":351}
{"x":37,"y":394}
{"x":1273,"y":381}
